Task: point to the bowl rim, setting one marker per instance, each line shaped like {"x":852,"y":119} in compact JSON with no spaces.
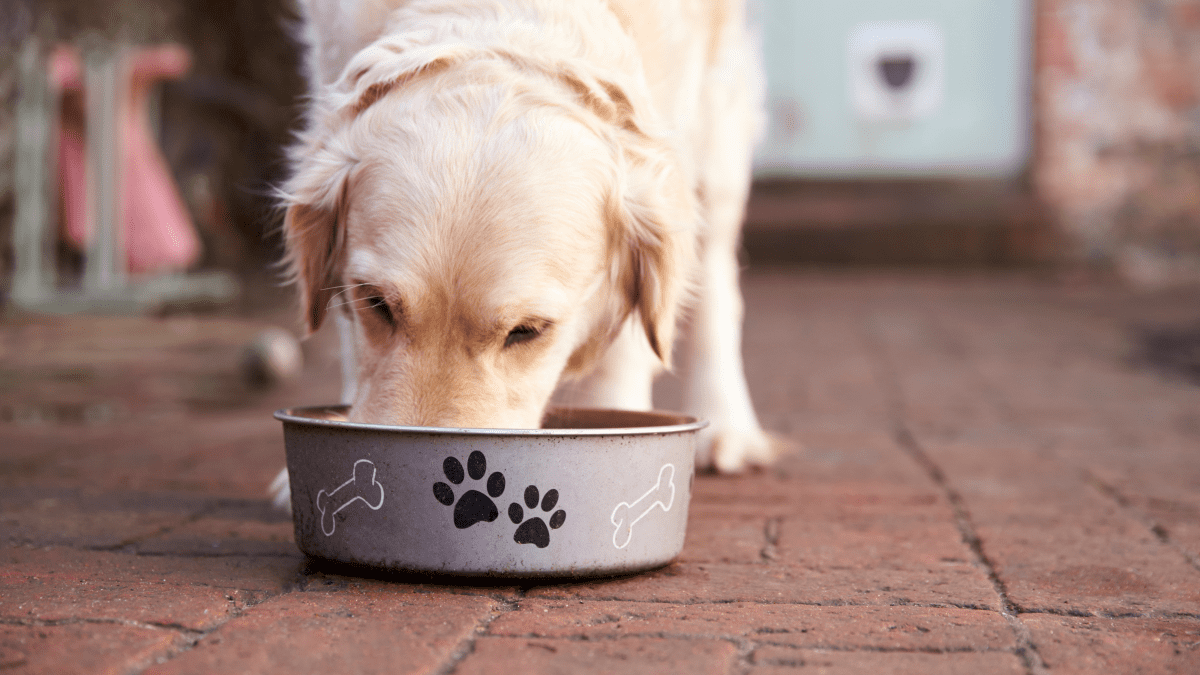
{"x":295,"y":416}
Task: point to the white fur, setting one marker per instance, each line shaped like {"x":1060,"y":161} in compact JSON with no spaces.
{"x":569,"y":173}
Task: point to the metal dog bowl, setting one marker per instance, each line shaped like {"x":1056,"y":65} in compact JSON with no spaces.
{"x":594,"y":492}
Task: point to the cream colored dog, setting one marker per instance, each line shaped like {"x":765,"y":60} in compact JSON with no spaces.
{"x":496,"y":196}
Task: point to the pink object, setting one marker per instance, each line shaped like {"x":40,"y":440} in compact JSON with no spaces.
{"x":159,"y":235}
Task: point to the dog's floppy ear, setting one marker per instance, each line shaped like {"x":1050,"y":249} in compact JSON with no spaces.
{"x":314,"y":234}
{"x":317,"y":196}
{"x":653,"y":218}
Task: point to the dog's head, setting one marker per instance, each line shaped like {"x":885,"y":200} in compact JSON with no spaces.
{"x":488,"y":224}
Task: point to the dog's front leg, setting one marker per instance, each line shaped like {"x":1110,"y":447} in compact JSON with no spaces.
{"x":715,"y":384}
{"x":281,"y":489}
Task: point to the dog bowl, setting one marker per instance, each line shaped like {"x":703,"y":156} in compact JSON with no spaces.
{"x":593,"y":493}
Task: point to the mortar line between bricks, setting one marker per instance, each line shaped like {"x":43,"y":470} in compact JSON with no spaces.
{"x":741,"y":664}
{"x":887,"y":374}
{"x":124,"y":545}
{"x":467,"y":646}
{"x":1156,"y":528}
{"x":194,"y":636}
{"x":70,"y":621}
{"x":765,"y":603}
{"x":1026,"y":649}
{"x":752,"y":642}
{"x":1017,"y":421}
{"x":165,"y":529}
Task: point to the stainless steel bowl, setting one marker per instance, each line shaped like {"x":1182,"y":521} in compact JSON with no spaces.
{"x":594,"y":492}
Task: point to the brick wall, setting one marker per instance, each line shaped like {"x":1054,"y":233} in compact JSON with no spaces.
{"x":1118,"y":124}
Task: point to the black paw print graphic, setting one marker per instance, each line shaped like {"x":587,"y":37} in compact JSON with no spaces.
{"x":474,"y":506}
{"x":534,"y":530}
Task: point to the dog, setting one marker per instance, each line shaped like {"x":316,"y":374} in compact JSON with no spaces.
{"x":494,"y":197}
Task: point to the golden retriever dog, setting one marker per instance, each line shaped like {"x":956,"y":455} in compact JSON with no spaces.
{"x":493,"y":197}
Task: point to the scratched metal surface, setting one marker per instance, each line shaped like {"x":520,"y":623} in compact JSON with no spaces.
{"x":521,"y":503}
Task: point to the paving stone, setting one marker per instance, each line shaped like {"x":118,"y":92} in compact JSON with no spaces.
{"x":862,"y":468}
{"x":59,"y":584}
{"x":959,"y":586}
{"x":46,"y":516}
{"x":1176,"y":517}
{"x":156,"y":523}
{"x":84,"y":647}
{"x":909,"y":536}
{"x":843,"y":628}
{"x":1166,"y":499}
{"x":1058,"y":543}
{"x":231,"y":532}
{"x":138,"y":498}
{"x":771,"y":660}
{"x":877,"y":519}
{"x":854,"y":457}
{"x":1128,"y":645}
{"x":933,"y":549}
{"x":827,"y":384}
{"x":363,"y":628}
{"x":231,"y":455}
{"x":624,"y":656}
{"x":749,"y":495}
{"x":729,"y":540}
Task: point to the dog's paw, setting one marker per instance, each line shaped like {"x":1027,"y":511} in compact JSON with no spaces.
{"x":733,"y":450}
{"x":281,"y":491}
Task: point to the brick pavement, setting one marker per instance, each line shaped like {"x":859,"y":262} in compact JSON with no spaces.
{"x":989,"y":479}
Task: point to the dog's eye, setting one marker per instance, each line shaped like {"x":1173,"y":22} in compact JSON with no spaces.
{"x":380,"y":306}
{"x":520,"y":334}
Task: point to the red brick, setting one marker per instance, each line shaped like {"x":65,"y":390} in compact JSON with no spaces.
{"x":1054,"y":52}
{"x":230,"y":535}
{"x":729,"y":540}
{"x":918,"y":547}
{"x":365,"y":628}
{"x":1177,"y":515}
{"x":1093,"y":645}
{"x":770,"y":660}
{"x":754,"y":494}
{"x":198,"y":593}
{"x":854,"y":526}
{"x":231,"y":455}
{"x":835,"y":482}
{"x":84,"y":647}
{"x":1164,"y":497}
{"x":865,"y":458}
{"x":717,"y":582}
{"x":1018,"y":392}
{"x":843,"y":628}
{"x":47,"y":516}
{"x":1059,"y":544}
{"x":623,"y":656}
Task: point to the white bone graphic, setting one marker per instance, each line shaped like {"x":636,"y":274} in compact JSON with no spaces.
{"x":360,"y":487}
{"x":662,"y":494}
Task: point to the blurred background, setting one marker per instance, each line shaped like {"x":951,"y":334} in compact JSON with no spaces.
{"x":971,"y":133}
{"x":219,"y":109}
{"x":1059,"y":136}
{"x":983,"y":132}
